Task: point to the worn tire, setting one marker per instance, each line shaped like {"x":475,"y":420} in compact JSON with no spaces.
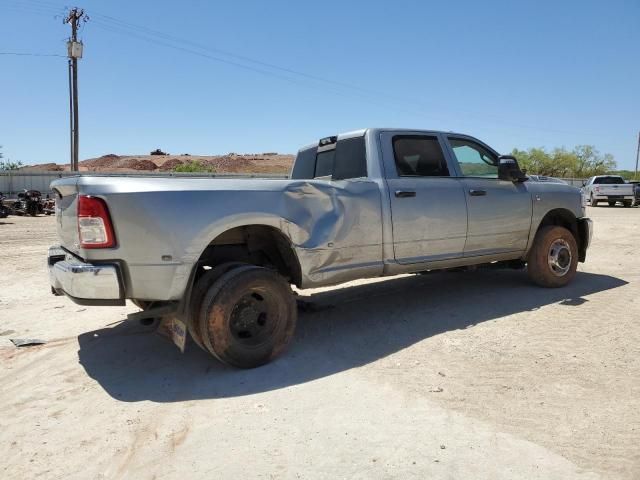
{"x":197,"y":294}
{"x":553,"y":242}
{"x":248,"y":316}
{"x":627,"y":204}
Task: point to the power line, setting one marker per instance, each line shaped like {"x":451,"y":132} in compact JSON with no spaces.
{"x":244,"y":58}
{"x":135,"y":30}
{"x":38,"y":4}
{"x":293,"y":80}
{"x":369,"y":97}
{"x":24,"y":54}
{"x":26,"y":6}
{"x":118,"y":29}
{"x":372,"y":96}
{"x":119,"y":26}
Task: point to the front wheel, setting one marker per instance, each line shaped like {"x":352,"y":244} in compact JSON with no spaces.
{"x":553,"y":259}
{"x":248,"y":316}
{"x":627,"y":204}
{"x":612,"y":204}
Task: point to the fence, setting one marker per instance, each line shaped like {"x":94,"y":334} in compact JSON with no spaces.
{"x":12,"y":183}
{"x":575,"y":182}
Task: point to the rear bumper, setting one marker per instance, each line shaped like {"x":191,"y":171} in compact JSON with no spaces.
{"x":612,"y":197}
{"x":585,"y":230}
{"x":84,"y":283}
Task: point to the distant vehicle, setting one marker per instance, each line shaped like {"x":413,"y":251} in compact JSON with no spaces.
{"x":636,"y":192}
{"x":542,"y":178}
{"x":216,"y":257}
{"x":49,"y":205}
{"x":610,"y":189}
{"x":4,"y":210}
{"x":29,"y":203}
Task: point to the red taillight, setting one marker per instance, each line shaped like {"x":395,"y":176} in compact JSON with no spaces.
{"x":94,"y":223}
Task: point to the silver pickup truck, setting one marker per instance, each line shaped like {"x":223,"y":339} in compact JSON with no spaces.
{"x":610,"y":189}
{"x":217,"y":257}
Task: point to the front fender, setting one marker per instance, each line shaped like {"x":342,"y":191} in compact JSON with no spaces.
{"x":554,"y":199}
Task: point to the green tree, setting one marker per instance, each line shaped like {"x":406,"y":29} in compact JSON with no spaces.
{"x":562,"y":163}
{"x":8,"y":164}
{"x":581,"y":162}
{"x":590,"y":162}
{"x":538,"y":161}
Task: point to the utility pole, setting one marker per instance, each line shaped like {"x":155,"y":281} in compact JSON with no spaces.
{"x":74,"y":52}
{"x":635,"y":175}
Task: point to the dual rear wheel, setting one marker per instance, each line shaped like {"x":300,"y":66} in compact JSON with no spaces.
{"x":244,"y":315}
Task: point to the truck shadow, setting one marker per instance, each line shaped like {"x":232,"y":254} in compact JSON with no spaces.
{"x":349,"y":327}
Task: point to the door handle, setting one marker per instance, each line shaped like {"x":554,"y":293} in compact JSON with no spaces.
{"x":477,"y":193}
{"x":405,"y":194}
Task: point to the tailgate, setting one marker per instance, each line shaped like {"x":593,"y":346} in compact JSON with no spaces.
{"x":66,"y":192}
{"x":622,"y":189}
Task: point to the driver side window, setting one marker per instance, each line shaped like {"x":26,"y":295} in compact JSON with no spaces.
{"x":474,"y":160}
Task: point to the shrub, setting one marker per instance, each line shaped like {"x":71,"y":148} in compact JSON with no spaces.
{"x":194,"y":166}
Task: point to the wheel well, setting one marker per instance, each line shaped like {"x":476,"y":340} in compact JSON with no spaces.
{"x":562,"y":218}
{"x":256,"y":244}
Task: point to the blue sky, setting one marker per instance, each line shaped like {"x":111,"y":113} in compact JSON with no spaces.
{"x":515,"y":74}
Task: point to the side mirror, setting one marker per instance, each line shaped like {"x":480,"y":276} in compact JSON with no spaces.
{"x":584,"y":183}
{"x":509,"y":170}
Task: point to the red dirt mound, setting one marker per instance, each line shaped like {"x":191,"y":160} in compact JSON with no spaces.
{"x":106,"y":161}
{"x":43,"y":167}
{"x":171,"y":164}
{"x":135,"y":164}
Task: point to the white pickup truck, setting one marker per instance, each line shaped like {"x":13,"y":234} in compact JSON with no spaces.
{"x":610,"y":189}
{"x":216,"y":257}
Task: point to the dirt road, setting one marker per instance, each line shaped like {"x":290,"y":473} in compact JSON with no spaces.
{"x":449,"y":375}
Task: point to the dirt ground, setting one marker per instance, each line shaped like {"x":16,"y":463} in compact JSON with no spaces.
{"x":449,"y":375}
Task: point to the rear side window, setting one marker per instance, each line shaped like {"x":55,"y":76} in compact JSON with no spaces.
{"x":419,"y":156}
{"x":609,"y":181}
{"x":351,"y":159}
{"x":340,"y":160}
{"x":305,"y":164}
{"x":324,"y":163}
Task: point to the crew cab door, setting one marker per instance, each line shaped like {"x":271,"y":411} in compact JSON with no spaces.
{"x":428,"y":206}
{"x":499,"y":211}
